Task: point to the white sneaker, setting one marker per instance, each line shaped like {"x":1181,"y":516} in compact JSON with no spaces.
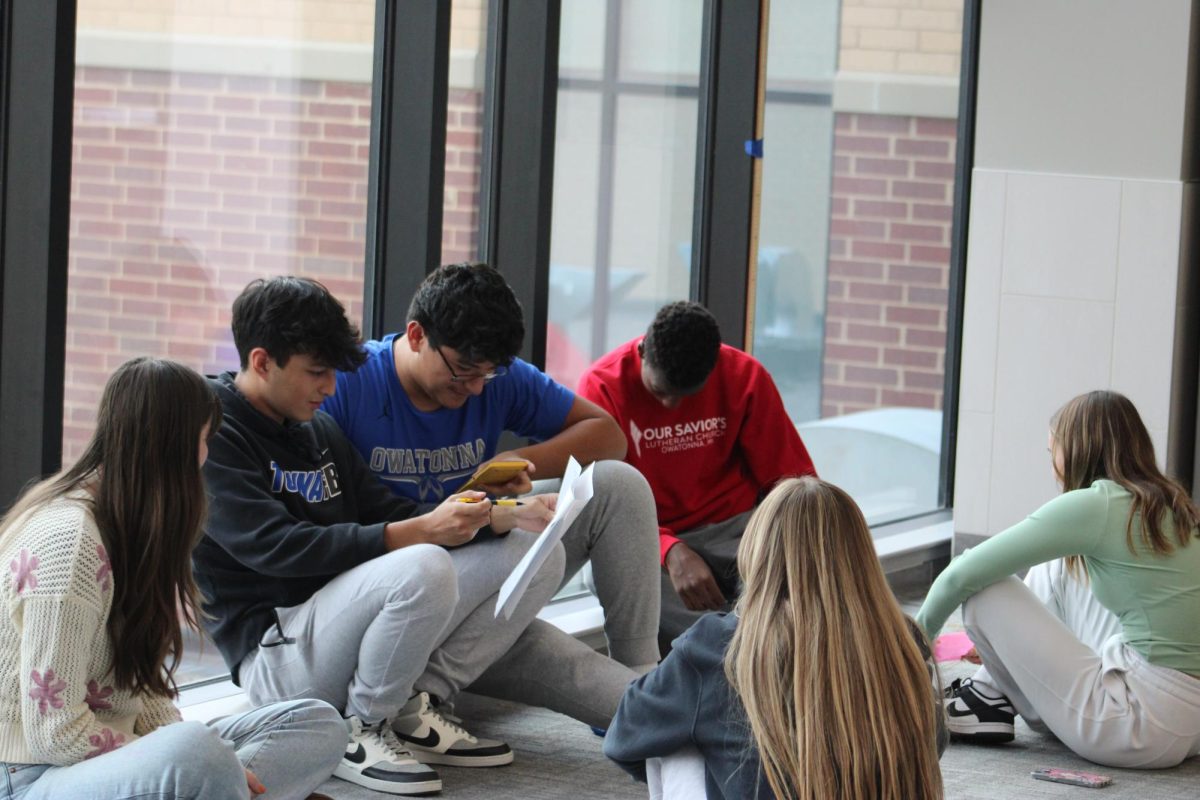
{"x":376,"y":759}
{"x":437,"y":738}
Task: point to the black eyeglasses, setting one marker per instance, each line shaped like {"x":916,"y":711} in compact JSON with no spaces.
{"x":456,"y":378}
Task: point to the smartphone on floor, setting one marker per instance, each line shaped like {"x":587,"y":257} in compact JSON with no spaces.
{"x":1072,"y":777}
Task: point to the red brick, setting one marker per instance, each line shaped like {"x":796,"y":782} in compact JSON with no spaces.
{"x":929,"y":148}
{"x":177,"y":291}
{"x":861,"y":290}
{"x":322,"y":149}
{"x":920,"y":191}
{"x":143,"y":308}
{"x":354,"y":91}
{"x":232,"y":104}
{"x":935,"y":255}
{"x":933,"y":212}
{"x":884,"y":250}
{"x":233,"y":142}
{"x":236,"y":162}
{"x":191,"y":102}
{"x":910,"y":274}
{"x":128,"y":98}
{"x":93,"y":133}
{"x":232,"y":182}
{"x":125,"y":211}
{"x":102,"y":152}
{"x":246,"y":201}
{"x":94,"y":171}
{"x":872,"y":333}
{"x":836,"y":309}
{"x":331,"y":110}
{"x":937,"y":127}
{"x":189,"y":217}
{"x":837,"y":247}
{"x":250,"y":84}
{"x":894,"y":167}
{"x":137,"y":174}
{"x":208,"y":122}
{"x":902,"y":315}
{"x":293,"y":127}
{"x":889,"y":209}
{"x":934,"y":170}
{"x":868,"y":186}
{"x":337,"y":208}
{"x":335,"y":247}
{"x":92,"y":96}
{"x":853,"y":227}
{"x":85,"y":208}
{"x":905,"y":232}
{"x":843,"y":122}
{"x":902,"y":357}
{"x":190,"y":272}
{"x":835,"y":289}
{"x":923,"y":338}
{"x":353,"y":171}
{"x":278,"y":146}
{"x":333,"y":130}
{"x":193,"y":139}
{"x":846,"y":143}
{"x":271,"y":224}
{"x":872,"y":375}
{"x":111,"y":230}
{"x":925,"y":295}
{"x":256,"y":125}
{"x":144,"y":269}
{"x":136,"y":230}
{"x":195,"y":197}
{"x":200,"y":161}
{"x":909,"y":399}
{"x":855,"y":269}
{"x":128,"y":286}
{"x":147,"y":155}
{"x":831,"y":371}
{"x":934,"y":381}
{"x":833,"y":329}
{"x":842,"y":165}
{"x":287,"y":185}
{"x":286,"y":107}
{"x":883,"y":123}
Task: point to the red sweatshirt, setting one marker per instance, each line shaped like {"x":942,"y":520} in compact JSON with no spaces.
{"x":712,"y":456}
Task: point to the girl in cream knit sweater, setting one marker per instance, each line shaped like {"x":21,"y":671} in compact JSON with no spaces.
{"x":96,"y":577}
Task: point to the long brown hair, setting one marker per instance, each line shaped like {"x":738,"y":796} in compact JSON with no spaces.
{"x":147,"y":498}
{"x":1101,"y":435}
{"x":834,"y":685}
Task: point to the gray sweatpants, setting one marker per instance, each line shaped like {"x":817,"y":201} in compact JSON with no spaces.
{"x":618,"y":532}
{"x":1051,"y":648}
{"x":416,"y":619}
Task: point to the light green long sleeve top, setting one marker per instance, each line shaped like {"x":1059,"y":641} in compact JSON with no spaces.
{"x":1156,"y":598}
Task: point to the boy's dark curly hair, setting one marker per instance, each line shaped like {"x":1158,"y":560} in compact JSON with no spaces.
{"x":469,"y":308}
{"x":289,"y":316}
{"x":682,"y":344}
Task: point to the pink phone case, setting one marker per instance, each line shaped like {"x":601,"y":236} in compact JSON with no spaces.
{"x":1072,"y":777}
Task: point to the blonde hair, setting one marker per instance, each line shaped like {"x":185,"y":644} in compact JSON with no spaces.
{"x":1101,"y":435}
{"x":834,"y":685}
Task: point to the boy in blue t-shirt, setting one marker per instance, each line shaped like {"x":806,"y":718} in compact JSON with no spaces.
{"x":429,"y":407}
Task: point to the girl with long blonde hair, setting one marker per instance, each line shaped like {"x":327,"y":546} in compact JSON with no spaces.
{"x":816,"y":687}
{"x":1101,"y":643}
{"x":98,"y":578}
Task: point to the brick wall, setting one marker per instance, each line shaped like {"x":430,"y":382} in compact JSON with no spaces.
{"x":889,"y":254}
{"x":913,"y":37}
{"x":186,"y":186}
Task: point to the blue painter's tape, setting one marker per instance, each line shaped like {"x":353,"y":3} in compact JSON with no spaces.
{"x":754,"y":148}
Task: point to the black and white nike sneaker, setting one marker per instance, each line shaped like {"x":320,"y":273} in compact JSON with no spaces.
{"x":437,"y":738}
{"x":978,"y":716}
{"x":376,"y":759}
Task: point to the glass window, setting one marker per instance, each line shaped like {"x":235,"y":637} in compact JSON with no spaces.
{"x":212,"y":145}
{"x":464,"y":131}
{"x":624,"y":174}
{"x":854,"y":241}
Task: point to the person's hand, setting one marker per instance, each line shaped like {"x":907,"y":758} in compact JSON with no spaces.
{"x":255,"y":784}
{"x":520,"y":483}
{"x":456,"y":521}
{"x":693,"y":580}
{"x":972,"y":655}
{"x":533,"y":514}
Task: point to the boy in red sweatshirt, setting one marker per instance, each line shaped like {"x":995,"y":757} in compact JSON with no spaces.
{"x":708,"y":429}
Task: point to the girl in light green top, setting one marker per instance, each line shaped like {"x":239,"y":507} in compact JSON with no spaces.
{"x":1101,"y":645}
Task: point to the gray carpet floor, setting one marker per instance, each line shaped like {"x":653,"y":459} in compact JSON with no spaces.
{"x":557,"y":757}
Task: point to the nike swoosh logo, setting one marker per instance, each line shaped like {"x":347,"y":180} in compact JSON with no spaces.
{"x":429,"y":741}
{"x":358,"y":756}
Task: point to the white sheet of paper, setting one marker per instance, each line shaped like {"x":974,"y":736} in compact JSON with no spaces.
{"x":575,"y":493}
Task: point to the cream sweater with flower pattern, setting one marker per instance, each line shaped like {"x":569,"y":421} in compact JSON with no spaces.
{"x":57,"y":702}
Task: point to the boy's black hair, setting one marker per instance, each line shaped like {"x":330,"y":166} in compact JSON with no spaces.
{"x":682,"y":344}
{"x":289,"y":316}
{"x":468,"y":307}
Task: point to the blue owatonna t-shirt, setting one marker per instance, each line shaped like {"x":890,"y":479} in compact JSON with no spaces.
{"x":427,"y":455}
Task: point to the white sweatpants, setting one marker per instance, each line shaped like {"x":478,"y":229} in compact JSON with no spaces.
{"x":1051,"y":648}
